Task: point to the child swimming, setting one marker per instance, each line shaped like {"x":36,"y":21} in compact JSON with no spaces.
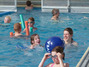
{"x":55,"y":13}
{"x":31,"y":24}
{"x":57,"y":56}
{"x":35,"y":40}
{"x":17,"y":29}
{"x":31,"y":20}
{"x":7,"y":19}
{"x":68,"y":34}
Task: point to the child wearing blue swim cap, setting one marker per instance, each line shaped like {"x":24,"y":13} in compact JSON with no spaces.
{"x":57,"y":56}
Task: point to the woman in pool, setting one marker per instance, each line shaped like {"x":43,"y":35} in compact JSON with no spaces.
{"x":35,"y":40}
{"x":55,"y":13}
{"x":68,"y":33}
{"x":57,"y":55}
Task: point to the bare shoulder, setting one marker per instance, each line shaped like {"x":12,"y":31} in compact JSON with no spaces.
{"x":66,"y":65}
{"x":75,"y":43}
{"x":49,"y":65}
{"x":31,"y":47}
{"x":52,"y":18}
{"x":31,"y":5}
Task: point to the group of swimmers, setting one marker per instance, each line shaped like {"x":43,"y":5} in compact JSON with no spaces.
{"x":57,"y":53}
{"x":17,"y":27}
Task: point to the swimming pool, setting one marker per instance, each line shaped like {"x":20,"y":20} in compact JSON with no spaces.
{"x":12,"y":56}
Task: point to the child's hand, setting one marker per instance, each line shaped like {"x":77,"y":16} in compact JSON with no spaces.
{"x":46,"y":56}
{"x":59,"y":56}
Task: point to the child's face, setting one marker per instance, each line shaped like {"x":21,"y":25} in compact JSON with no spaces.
{"x":29,"y":20}
{"x":67,"y":36}
{"x":54,"y":57}
{"x":31,"y":24}
{"x":6,"y":20}
{"x":36,"y":40}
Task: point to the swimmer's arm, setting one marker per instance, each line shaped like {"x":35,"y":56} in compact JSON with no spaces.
{"x":60,"y":59}
{"x":31,"y":47}
{"x":34,"y":29}
{"x":42,"y":62}
{"x":52,"y":18}
{"x":24,"y":30}
{"x":46,"y":56}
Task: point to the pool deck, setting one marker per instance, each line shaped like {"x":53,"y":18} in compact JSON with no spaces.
{"x":84,"y":61}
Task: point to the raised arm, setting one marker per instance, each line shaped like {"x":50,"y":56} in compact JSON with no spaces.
{"x":60,"y":59}
{"x":46,"y":56}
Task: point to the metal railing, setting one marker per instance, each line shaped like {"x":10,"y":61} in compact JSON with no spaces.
{"x":8,"y":5}
{"x":73,"y":6}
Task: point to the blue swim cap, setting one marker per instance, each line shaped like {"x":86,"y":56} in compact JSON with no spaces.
{"x":53,"y":42}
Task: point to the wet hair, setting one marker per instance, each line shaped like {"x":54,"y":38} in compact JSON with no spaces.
{"x":17,"y":27}
{"x":69,"y":30}
{"x":60,"y":50}
{"x":32,"y":37}
{"x":55,"y":11}
{"x":28,"y":3}
{"x":32,"y":19}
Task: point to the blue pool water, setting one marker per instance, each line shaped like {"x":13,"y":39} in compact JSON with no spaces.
{"x":13,"y":56}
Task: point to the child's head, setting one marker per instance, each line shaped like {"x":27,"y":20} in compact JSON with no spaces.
{"x":35,"y":39}
{"x":68,"y":33}
{"x":54,"y":52}
{"x":28,"y":3}
{"x":7,"y":19}
{"x":31,"y":19}
{"x":17,"y":27}
{"x":55,"y":12}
